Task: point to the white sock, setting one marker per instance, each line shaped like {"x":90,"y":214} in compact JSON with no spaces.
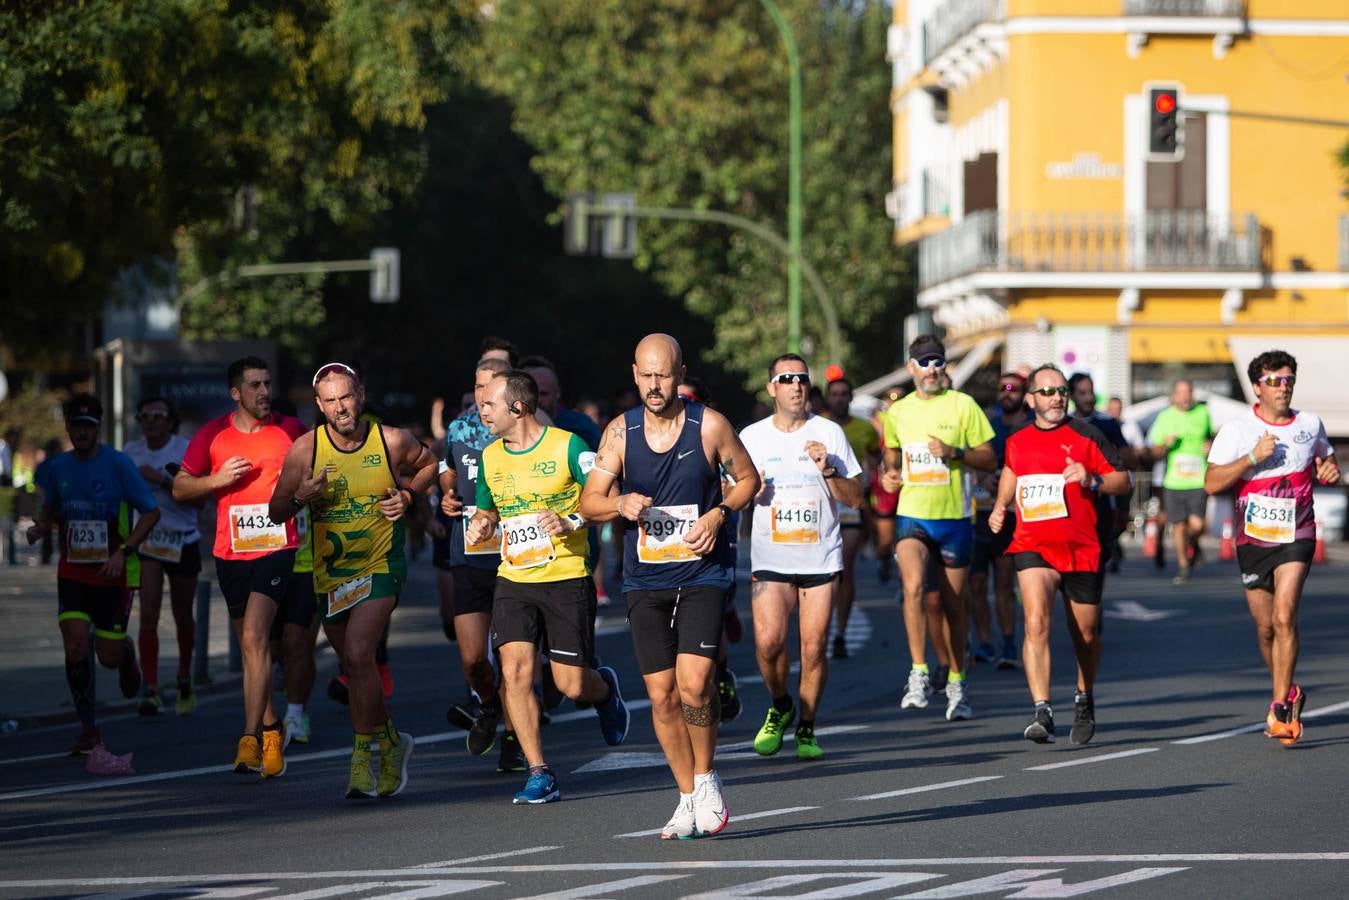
{"x":294,"y":710}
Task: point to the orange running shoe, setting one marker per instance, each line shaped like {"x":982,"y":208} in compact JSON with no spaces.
{"x":1279,"y":724}
{"x":1297,"y":698}
{"x":273,"y":753}
{"x":249,"y":757}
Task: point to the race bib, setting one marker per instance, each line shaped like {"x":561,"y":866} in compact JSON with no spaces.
{"x":922,"y":466}
{"x":1271,"y":519}
{"x":660,"y":537}
{"x":348,"y":595}
{"x":1040,"y":497}
{"x":524,"y":543}
{"x":87,"y":541}
{"x":1187,"y":466}
{"x":252,"y":529}
{"x":489,"y":546}
{"x":164,"y":545}
{"x":795,"y":521}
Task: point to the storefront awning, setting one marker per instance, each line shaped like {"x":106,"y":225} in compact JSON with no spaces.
{"x":1323,"y":373}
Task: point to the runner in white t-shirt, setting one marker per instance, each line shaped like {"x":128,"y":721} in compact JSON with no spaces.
{"x":1273,"y":455}
{"x":796,"y":550}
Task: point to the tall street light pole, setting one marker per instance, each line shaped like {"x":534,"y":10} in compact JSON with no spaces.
{"x":794,"y":181}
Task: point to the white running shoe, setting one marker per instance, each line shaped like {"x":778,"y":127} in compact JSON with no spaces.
{"x":918,"y":691}
{"x":957,"y":705}
{"x":295,"y":731}
{"x":683,"y":824}
{"x":709,"y":806}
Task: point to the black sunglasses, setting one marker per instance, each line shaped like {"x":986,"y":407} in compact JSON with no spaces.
{"x":931,"y":362}
{"x":1061,"y":390}
{"x":791,"y":378}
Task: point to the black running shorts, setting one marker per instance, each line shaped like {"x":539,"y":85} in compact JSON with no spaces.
{"x":473,"y":589}
{"x":267,"y":575}
{"x":298,"y":606}
{"x":107,"y":608}
{"x":1257,"y":564}
{"x":188,"y":564}
{"x":563,"y":612}
{"x":1079,"y":587}
{"x":796,"y":580}
{"x":675,"y":621}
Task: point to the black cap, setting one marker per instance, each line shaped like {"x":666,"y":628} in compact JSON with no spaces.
{"x":926,"y":345}
{"x":84,"y":408}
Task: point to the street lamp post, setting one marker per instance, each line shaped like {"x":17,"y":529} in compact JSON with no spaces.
{"x":793,"y":180}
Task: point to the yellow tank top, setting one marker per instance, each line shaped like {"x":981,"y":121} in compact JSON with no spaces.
{"x":351,"y":538}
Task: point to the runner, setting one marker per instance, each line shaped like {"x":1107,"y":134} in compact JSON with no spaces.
{"x":807,"y":469}
{"x":666,"y":458}
{"x":990,"y":550}
{"x":173,"y":548}
{"x":1181,"y":433}
{"x":474,"y":569}
{"x":1111,"y":513}
{"x":884,"y":502}
{"x":358,"y":479}
{"x":1053,"y":473}
{"x":294,"y":635}
{"x":530,"y":484}
{"x":238,"y":458}
{"x":90,"y":491}
{"x":931,"y":436}
{"x":866,"y":447}
{"x":1273,"y":456}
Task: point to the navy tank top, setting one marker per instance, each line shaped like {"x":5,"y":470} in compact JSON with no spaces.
{"x":682,"y":486}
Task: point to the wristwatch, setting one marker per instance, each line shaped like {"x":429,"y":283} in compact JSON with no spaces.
{"x":1095,"y":483}
{"x":725,"y":511}
{"x":297,"y":502}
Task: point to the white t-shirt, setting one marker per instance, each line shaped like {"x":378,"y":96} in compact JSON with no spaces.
{"x":173,"y":516}
{"x":796,"y":528}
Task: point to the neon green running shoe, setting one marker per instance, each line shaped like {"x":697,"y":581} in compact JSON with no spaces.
{"x":806,"y":746}
{"x":361,"y":784}
{"x":769,"y":739}
{"x":393,"y":765}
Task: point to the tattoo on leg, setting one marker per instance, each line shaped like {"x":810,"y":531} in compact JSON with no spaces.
{"x":758,"y":587}
{"x":703,"y":716}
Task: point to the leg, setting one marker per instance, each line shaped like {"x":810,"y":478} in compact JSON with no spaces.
{"x":147,"y":637}
{"x":1180,"y":535}
{"x":182,"y":597}
{"x":1004,"y":575}
{"x":364,"y":631}
{"x":1288,"y":580}
{"x":298,"y":645}
{"x":772,"y":603}
{"x":667,"y":718}
{"x":938,"y":628}
{"x":579,"y":683}
{"x":912,"y":556}
{"x":978,"y":605}
{"x":79,"y":671}
{"x":254,"y":633}
{"x":471,"y":631}
{"x":697,"y":697}
{"x":517,"y":683}
{"x":1038,"y":587}
{"x":953,"y":603}
{"x":815,"y":605}
{"x":1084,"y":627}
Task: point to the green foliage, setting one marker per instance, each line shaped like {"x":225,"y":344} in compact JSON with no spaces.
{"x":684,"y":102}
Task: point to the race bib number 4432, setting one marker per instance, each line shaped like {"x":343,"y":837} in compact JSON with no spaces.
{"x":251,"y":529}
{"x":524,"y":542}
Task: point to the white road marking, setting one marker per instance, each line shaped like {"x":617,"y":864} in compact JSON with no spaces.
{"x":485,"y":857}
{"x":1092,"y":759}
{"x":608,"y":887}
{"x":1137,"y":612}
{"x":927,"y":787}
{"x":1260,"y":726}
{"x":1032,"y":886}
{"x":23,"y":759}
{"x":638,"y":759}
{"x":857,"y":883}
{"x":734,"y":818}
{"x":419,"y":889}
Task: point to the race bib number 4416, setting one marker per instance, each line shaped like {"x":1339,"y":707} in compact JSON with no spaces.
{"x":796,"y":521}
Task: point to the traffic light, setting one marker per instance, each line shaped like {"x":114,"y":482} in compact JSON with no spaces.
{"x":1164,"y":129}
{"x":578,"y":226}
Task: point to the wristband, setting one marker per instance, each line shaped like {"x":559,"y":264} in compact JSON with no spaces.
{"x":958,"y":453}
{"x":1251,"y":457}
{"x":725,"y":511}
{"x":297,"y":502}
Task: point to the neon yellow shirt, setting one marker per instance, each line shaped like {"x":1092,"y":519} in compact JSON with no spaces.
{"x":934,"y":487}
{"x":351,"y":537}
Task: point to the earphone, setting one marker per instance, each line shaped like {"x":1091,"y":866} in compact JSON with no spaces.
{"x":515,"y":409}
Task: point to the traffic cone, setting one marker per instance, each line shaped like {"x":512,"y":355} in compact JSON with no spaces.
{"x":1227,"y":550}
{"x":1150,"y":537}
{"x":1319,"y":555}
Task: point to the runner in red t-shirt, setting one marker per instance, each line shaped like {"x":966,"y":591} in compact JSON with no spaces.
{"x":238,"y":457}
{"x":1053,"y":471}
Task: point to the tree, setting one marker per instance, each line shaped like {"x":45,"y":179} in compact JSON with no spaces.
{"x":685,"y":103}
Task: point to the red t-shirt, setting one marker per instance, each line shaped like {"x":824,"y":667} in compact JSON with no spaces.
{"x":243,"y":529}
{"x":1054,"y":519}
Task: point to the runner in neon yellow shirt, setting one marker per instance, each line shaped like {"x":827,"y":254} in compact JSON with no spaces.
{"x":1183,"y":433}
{"x":930,"y":437}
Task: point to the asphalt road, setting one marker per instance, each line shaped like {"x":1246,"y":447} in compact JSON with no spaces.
{"x":1179,"y":795}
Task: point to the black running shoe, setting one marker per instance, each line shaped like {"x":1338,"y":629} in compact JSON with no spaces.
{"x":464,"y":713}
{"x":512,"y":759}
{"x":1084,"y":718}
{"x":730,"y":699}
{"x":1041,"y":727}
{"x":482,"y":737}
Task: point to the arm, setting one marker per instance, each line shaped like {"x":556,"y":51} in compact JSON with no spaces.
{"x":730,"y":454}
{"x":46,"y":517}
{"x":294,"y":488}
{"x":451,"y":504}
{"x":982,"y":457}
{"x":1220,"y":478}
{"x":892,"y":468}
{"x":596,"y":504}
{"x":188,"y":487}
{"x":847,"y":491}
{"x":408,"y":454}
{"x":1006,"y":494}
{"x":486,"y":519}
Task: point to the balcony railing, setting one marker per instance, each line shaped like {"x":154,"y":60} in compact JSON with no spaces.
{"x":1231,"y":9}
{"x":1344,"y":243}
{"x":936,"y":195}
{"x":953,"y":19}
{"x":1159,"y":240}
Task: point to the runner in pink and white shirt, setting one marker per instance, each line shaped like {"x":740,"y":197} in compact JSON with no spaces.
{"x":1273,"y":456}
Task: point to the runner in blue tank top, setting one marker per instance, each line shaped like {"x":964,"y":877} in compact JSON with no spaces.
{"x":665,"y":457}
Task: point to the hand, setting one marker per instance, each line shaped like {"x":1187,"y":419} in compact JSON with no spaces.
{"x":1264,"y":448}
{"x":940,"y":448}
{"x":552,"y":523}
{"x":394,"y":504}
{"x":479,"y":527}
{"x":1075,"y":473}
{"x":764,"y":495}
{"x":818,"y":453}
{"x":153,"y":475}
{"x":115,"y":565}
{"x":996,"y":519}
{"x":452,"y":505}
{"x":231,"y":470}
{"x":310,"y":488}
{"x":631,"y":506}
{"x":1171,"y":441}
{"x":1327,"y":472}
{"x":702,"y":537}
{"x":892,"y":480}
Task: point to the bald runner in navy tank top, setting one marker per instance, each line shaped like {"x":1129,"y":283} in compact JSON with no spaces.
{"x":682,"y":486}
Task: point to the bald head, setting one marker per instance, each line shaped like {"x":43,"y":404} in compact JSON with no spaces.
{"x":657,"y":369}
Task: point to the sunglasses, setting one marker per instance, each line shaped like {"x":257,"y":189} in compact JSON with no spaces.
{"x":150,"y":415}
{"x":791,"y":378}
{"x":931,"y":362}
{"x":328,"y":368}
{"x":1277,"y":380}
{"x":1062,"y":391}
{"x":1012,"y":387}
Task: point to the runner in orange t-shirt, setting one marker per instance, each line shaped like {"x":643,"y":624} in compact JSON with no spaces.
{"x":238,"y":457}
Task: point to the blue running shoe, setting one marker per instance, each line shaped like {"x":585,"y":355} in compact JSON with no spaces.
{"x":613,"y":712}
{"x":540,"y":788}
{"x":984,"y":652}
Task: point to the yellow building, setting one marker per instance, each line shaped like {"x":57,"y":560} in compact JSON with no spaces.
{"x":1046,"y":228}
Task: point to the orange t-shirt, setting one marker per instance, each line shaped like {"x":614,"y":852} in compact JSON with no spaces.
{"x":243,"y":529}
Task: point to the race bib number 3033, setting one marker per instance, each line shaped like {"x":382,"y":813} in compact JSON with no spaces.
{"x":524,"y":542}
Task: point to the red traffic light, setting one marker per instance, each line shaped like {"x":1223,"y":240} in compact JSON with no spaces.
{"x":833,"y":372}
{"x":1165,"y":102}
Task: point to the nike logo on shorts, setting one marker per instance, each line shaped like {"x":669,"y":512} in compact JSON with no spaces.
{"x":704,"y":645}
